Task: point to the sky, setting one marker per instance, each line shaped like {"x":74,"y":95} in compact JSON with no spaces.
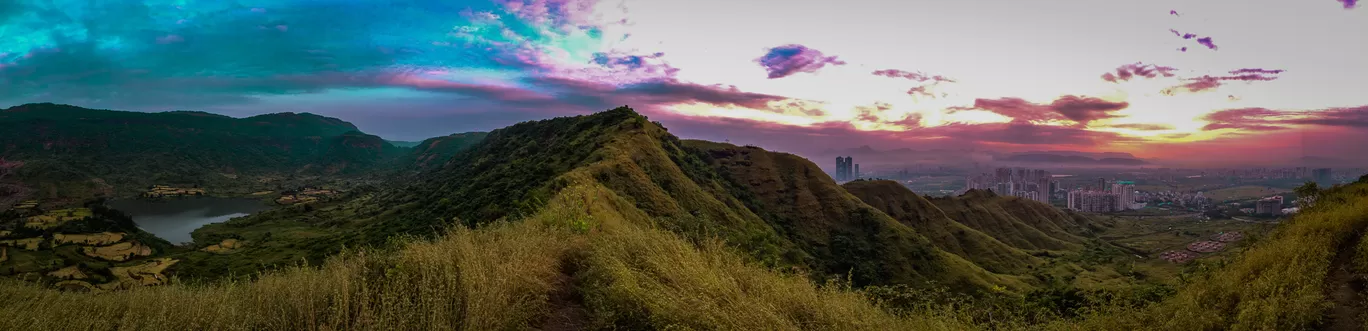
{"x":1204,"y":82}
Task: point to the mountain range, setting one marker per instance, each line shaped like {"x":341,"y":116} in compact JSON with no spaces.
{"x":601,"y":221}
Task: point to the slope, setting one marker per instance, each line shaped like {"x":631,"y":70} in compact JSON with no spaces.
{"x":835,"y":228}
{"x":1021,"y":223}
{"x":434,"y":152}
{"x":927,"y":219}
{"x":72,"y":152}
{"x":1294,"y":279}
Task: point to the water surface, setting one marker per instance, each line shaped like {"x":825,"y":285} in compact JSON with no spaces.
{"x":174,"y":219}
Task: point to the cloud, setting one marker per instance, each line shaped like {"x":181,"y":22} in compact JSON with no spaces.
{"x":1081,"y":110}
{"x":1208,"y":82}
{"x":917,"y":76}
{"x":872,"y":113}
{"x":786,"y":60}
{"x":1017,"y":133}
{"x":1204,"y":41}
{"x":1262,"y":119}
{"x":1126,"y":72}
{"x":1142,"y":126}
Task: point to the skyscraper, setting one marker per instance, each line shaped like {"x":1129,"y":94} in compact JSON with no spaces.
{"x":857,"y":172}
{"x":840,"y":169}
{"x":849,"y":163}
{"x":1102,"y":184}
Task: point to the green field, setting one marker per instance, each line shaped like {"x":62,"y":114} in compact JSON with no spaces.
{"x":1243,"y":192}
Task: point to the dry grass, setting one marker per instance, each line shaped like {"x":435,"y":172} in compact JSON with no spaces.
{"x":1278,"y":284}
{"x":489,"y":279}
{"x":103,"y":238}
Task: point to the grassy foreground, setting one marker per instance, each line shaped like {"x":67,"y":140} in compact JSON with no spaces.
{"x":577,"y":264}
{"x":1284,"y":282}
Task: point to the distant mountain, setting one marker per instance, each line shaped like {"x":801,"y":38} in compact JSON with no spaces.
{"x":434,"y":152}
{"x":1071,"y":160}
{"x":71,"y":151}
{"x":1094,"y":155}
{"x":404,"y":144}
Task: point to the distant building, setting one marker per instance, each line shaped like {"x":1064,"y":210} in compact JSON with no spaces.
{"x":846,"y":169}
{"x":840,"y":169}
{"x":1094,"y":201}
{"x":1269,"y":206}
{"x":1125,"y":194}
{"x":1322,"y":176}
{"x":1102,"y":184}
{"x":849,"y":172}
{"x":1032,"y":184}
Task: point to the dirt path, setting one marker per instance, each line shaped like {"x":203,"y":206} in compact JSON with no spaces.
{"x":1344,"y":291}
{"x":567,"y":305}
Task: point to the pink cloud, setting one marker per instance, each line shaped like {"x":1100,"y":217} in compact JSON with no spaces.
{"x":1127,"y":71}
{"x":917,"y":76}
{"x":1081,"y":110}
{"x":1208,"y":82}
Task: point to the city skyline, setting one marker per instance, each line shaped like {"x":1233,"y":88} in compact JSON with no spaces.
{"x":1215,"y":83}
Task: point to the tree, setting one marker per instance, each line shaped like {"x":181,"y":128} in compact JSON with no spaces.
{"x":1307,"y":194}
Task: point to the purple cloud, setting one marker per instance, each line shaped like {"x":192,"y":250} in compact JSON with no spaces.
{"x":1263,"y":119}
{"x":1205,"y":41}
{"x":1081,"y":110}
{"x":787,"y":60}
{"x":917,"y":76}
{"x":1208,"y":82}
{"x":1126,"y":72}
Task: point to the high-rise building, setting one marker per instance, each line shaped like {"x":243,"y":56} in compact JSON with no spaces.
{"x":849,"y":173}
{"x":857,"y":172}
{"x":840,"y":169}
{"x":1125,"y":194}
{"x":1093,"y":201}
{"x":1321,"y":176}
{"x":1102,"y":184}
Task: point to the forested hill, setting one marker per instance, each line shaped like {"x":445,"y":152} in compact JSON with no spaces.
{"x":70,"y":151}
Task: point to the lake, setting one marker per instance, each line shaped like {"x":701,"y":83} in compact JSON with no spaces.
{"x":174,"y":219}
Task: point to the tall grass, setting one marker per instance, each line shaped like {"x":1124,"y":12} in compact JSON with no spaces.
{"x":1278,"y":284}
{"x":487,"y":279}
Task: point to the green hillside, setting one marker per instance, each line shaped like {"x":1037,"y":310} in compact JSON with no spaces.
{"x":1020,"y":223}
{"x":75,"y":152}
{"x":926,"y":218}
{"x":698,"y":190}
{"x":434,"y":152}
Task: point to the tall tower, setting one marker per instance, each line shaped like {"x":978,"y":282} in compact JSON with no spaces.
{"x":857,"y":171}
{"x":848,"y":173}
{"x":840,"y":169}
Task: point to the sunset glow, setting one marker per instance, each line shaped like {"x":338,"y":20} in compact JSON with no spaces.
{"x":1223,"y":81}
